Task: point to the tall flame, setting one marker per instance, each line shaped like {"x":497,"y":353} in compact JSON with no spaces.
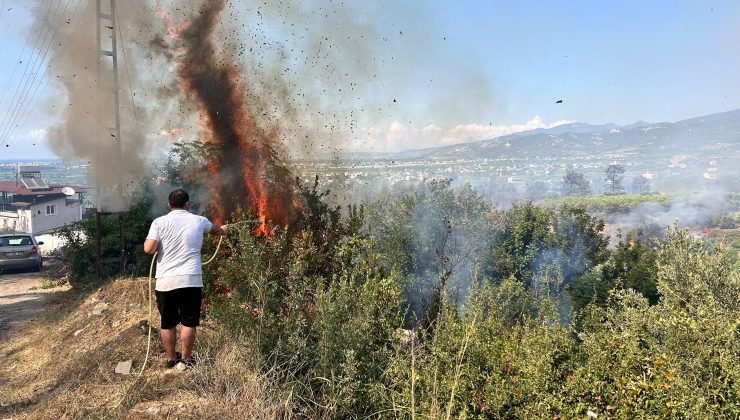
{"x":244,"y":164}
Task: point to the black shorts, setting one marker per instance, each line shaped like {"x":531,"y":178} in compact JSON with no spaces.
{"x":179,"y":306}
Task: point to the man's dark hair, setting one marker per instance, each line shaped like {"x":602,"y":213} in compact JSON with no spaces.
{"x":178,"y":198}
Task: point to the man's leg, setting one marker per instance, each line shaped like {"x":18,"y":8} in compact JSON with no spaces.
{"x":187,"y":338}
{"x":191,"y":299}
{"x":168,"y":331}
{"x":169,"y":339}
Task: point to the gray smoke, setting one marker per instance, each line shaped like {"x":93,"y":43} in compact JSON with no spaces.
{"x":694,"y":210}
{"x":83,"y":99}
{"x":319,"y":74}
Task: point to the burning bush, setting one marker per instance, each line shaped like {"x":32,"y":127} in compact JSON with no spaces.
{"x":330,"y":327}
{"x":325,"y":325}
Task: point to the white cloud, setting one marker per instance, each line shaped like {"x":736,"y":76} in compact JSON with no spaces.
{"x":37,"y":134}
{"x":398,"y":136}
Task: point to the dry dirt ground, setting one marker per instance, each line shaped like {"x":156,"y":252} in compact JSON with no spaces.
{"x":23,"y":299}
{"x":60,"y":348}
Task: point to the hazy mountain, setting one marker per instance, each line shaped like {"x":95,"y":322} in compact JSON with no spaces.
{"x":716,"y":134}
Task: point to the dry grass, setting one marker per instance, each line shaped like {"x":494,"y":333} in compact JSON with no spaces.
{"x":49,"y":372}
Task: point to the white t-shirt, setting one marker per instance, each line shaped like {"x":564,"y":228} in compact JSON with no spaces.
{"x":180,"y":237}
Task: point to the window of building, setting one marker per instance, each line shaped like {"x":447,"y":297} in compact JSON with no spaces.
{"x":52,"y":209}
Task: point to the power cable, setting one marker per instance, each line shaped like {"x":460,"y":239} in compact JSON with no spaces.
{"x":23,"y":50}
{"x":42,"y":33}
{"x":128,"y":76}
{"x":36,"y":67}
{"x":21,"y":106}
{"x":25,"y":114}
{"x":12,"y":110}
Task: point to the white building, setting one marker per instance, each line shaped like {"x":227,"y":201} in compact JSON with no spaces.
{"x":30,"y":205}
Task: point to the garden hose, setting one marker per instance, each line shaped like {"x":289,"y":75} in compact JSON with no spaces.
{"x":149,"y":334}
{"x":220,"y":239}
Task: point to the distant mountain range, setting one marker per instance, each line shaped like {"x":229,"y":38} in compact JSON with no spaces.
{"x":711,"y":135}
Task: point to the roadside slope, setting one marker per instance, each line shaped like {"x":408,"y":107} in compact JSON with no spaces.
{"x":62,"y":366}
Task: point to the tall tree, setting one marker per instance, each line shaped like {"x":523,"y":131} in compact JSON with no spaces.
{"x":536,"y":190}
{"x":575,"y":183}
{"x":641,"y":184}
{"x":614,"y":174}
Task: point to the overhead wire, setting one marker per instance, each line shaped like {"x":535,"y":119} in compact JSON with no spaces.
{"x":14,"y":106}
{"x":128,"y":75}
{"x":42,"y":33}
{"x":33,"y":77}
{"x":21,"y":55}
{"x":25,"y":114}
{"x":20,"y":59}
{"x":23,"y":102}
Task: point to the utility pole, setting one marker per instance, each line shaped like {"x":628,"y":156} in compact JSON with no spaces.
{"x":106,"y":24}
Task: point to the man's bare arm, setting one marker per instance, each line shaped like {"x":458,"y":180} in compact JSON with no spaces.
{"x":150,"y":246}
{"x":219,"y":230}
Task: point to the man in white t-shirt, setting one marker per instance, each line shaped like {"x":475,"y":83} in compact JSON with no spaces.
{"x":178,"y":237}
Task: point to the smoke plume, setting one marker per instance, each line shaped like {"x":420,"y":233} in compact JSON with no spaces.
{"x":259,"y":82}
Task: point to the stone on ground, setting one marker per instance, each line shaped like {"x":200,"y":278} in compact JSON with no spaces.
{"x":124,"y":368}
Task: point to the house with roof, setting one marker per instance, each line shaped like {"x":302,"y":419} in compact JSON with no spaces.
{"x":29,"y":204}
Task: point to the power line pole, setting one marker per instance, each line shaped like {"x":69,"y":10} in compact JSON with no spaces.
{"x":107,"y":22}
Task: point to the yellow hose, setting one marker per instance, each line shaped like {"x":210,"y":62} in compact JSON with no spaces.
{"x":221,"y":238}
{"x":149,"y":335}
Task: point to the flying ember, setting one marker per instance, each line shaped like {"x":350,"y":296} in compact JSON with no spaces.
{"x":244,"y":160}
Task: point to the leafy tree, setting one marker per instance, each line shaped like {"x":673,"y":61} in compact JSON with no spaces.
{"x":632,"y":265}
{"x":526,"y":232}
{"x":613,"y":175}
{"x":538,"y":244}
{"x":536,"y":190}
{"x":186,"y":168}
{"x":580,"y":240}
{"x":641,"y":184}
{"x":575,"y":183}
{"x":432,"y":236}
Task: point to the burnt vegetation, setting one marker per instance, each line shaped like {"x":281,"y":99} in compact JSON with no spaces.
{"x":434,"y":302}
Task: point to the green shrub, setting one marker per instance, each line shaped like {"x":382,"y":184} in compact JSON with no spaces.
{"x":80,"y":245}
{"x":327,"y":337}
{"x":433,"y":237}
{"x":326,"y":305}
{"x":676,"y":358}
{"x":631,"y":265}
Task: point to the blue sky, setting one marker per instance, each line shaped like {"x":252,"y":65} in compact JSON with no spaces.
{"x":467,"y":70}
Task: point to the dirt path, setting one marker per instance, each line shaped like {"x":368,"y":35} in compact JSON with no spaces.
{"x":22,"y":299}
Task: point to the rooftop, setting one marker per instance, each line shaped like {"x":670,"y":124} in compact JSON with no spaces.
{"x":18,"y":188}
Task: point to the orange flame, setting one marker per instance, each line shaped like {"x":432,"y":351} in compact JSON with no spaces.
{"x":245,"y":167}
{"x":264,"y":228}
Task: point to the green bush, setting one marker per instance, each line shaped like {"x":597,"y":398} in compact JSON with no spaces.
{"x":325,"y":337}
{"x":545,"y":249}
{"x":618,"y":203}
{"x":80,"y":245}
{"x":677,"y":358}
{"x":631,"y":265}
{"x":330,"y":305}
{"x":433,"y":237}
{"x":726,"y":221}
